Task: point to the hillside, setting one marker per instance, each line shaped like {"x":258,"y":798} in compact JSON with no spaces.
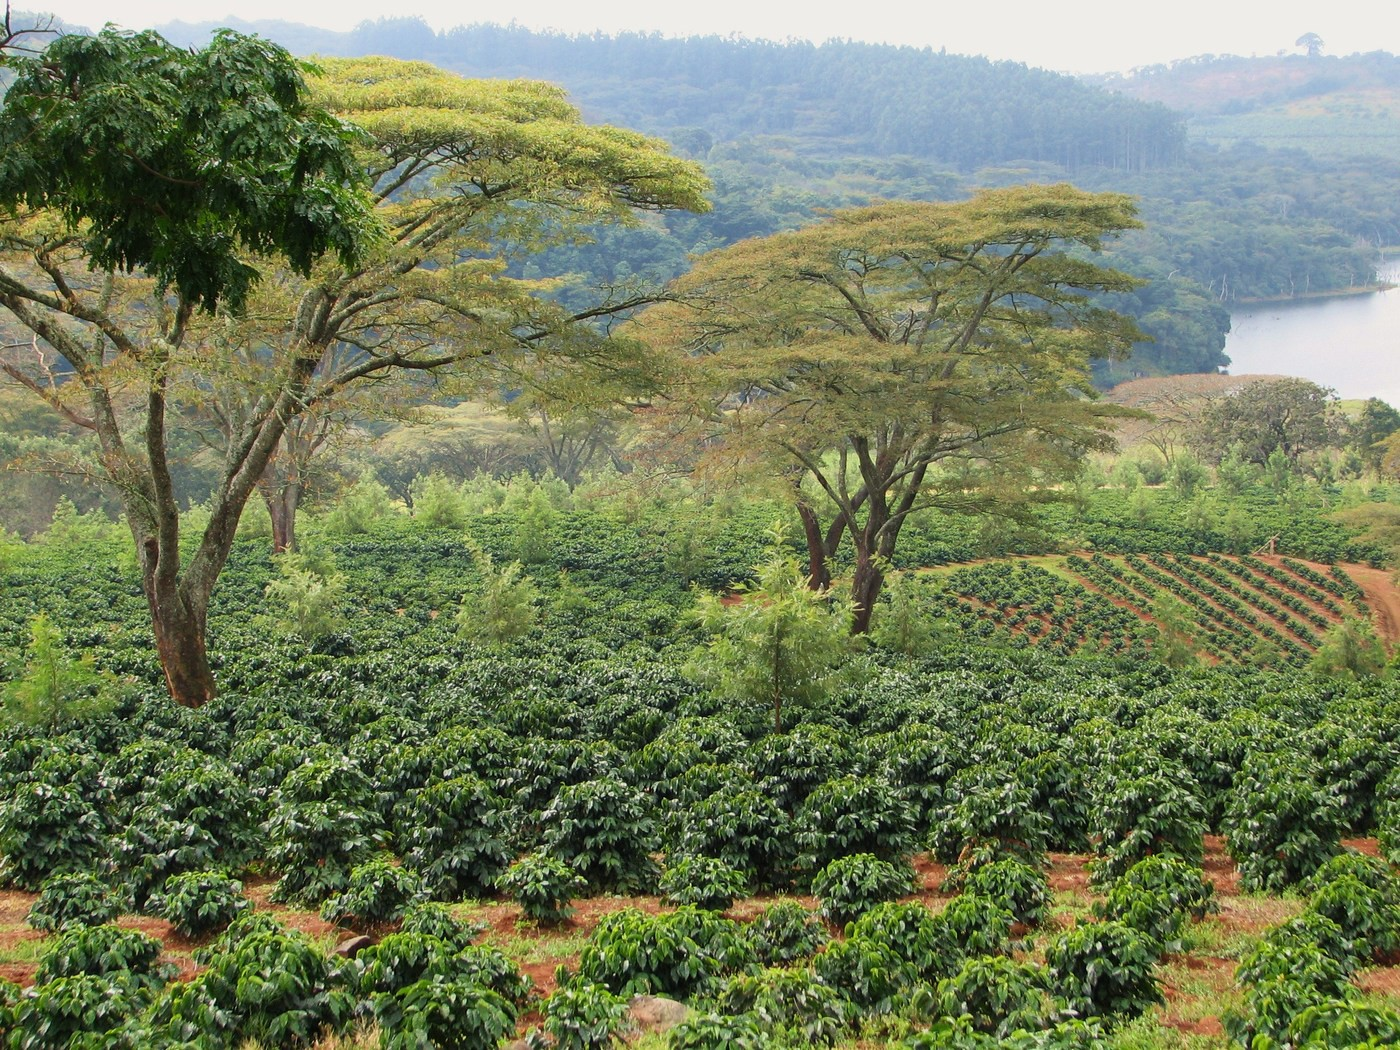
{"x":1323,"y":105}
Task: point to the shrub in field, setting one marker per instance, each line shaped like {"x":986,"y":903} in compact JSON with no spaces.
{"x":790,"y":765}
{"x":412,"y":983}
{"x":1179,"y":881}
{"x":82,"y":1011}
{"x":716,"y":1031}
{"x":1281,"y":823}
{"x":583,"y":1016}
{"x":681,"y":954}
{"x":851,"y":815}
{"x":377,"y":892}
{"x":434,"y":919}
{"x":445,"y":1014}
{"x":197,"y":817}
{"x":743,"y":827}
{"x":868,"y":973}
{"x":1304,"y":964}
{"x":453,"y":833}
{"x":702,"y":881}
{"x":1339,"y":1023}
{"x":917,"y":936}
{"x":989,"y":810}
{"x":261,"y":984}
{"x":1371,"y":871}
{"x":793,"y":1007}
{"x":200,"y":902}
{"x":1367,"y":916}
{"x":850,"y":886}
{"x":1310,"y":930}
{"x":785,"y":932}
{"x":1103,"y":969}
{"x":323,"y":823}
{"x":543,"y":886}
{"x":996,"y":993}
{"x":104,"y":951}
{"x":604,"y":830}
{"x":1150,"y":912}
{"x":976,"y":925}
{"x":80,"y":899}
{"x":53,"y":824}
{"x":958,"y":1033}
{"x":1388,"y":818}
{"x":1020,"y":887}
{"x":1144,"y":811}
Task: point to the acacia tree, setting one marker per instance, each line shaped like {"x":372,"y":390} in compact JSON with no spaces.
{"x":902,"y":356}
{"x":150,"y":187}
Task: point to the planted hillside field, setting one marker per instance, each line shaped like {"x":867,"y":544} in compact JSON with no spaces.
{"x":1034,"y":834}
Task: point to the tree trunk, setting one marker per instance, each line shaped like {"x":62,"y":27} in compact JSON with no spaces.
{"x":179,"y":633}
{"x":818,"y":571}
{"x":865,"y":590}
{"x":282,"y":506}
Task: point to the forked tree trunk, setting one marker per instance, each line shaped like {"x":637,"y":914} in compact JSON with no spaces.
{"x":865,"y":591}
{"x":282,"y":507}
{"x":179,"y":634}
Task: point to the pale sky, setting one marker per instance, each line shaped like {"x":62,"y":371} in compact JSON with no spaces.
{"x":1073,"y":36}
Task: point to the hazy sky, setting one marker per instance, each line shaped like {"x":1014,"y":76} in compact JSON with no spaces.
{"x":1076,"y":36}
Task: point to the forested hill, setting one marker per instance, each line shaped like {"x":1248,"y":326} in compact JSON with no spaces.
{"x":786,"y":129}
{"x":837,"y":98}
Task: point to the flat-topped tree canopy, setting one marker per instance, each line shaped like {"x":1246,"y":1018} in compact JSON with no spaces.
{"x":902,"y":356}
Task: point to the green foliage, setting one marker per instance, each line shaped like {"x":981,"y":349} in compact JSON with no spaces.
{"x":852,"y":815}
{"x":504,"y":609}
{"x":359,"y":509}
{"x":791,"y":1006}
{"x":604,"y":830}
{"x":435,"y":919}
{"x":1349,"y":650}
{"x":60,"y":1013}
{"x":867,"y":973}
{"x":184,"y":196}
{"x":850,"y":886}
{"x":718,"y":1031}
{"x":104,"y":951}
{"x":780,"y":644}
{"x":1021,"y":888}
{"x":438,"y":502}
{"x":997,"y":994}
{"x":685,"y":953}
{"x":453,"y":834}
{"x":543,"y":886}
{"x":322,"y":824}
{"x":1150,"y":912}
{"x":194,"y":815}
{"x":1368,"y":916}
{"x":261,"y":984}
{"x":1103,"y":969}
{"x":308,"y":602}
{"x":921,"y":940}
{"x":977,"y":925}
{"x":200,"y":902}
{"x":705,"y":882}
{"x":445,"y":1013}
{"x":51,"y":686}
{"x":743,"y":826}
{"x":1180,"y":881}
{"x":1140,"y":811}
{"x":582,"y":1016}
{"x":81,"y":898}
{"x":377,"y":892}
{"x":1282,"y":825}
{"x":785,"y":932}
{"x":51,"y":825}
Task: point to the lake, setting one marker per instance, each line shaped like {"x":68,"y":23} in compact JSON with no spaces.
{"x":1350,"y":343}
